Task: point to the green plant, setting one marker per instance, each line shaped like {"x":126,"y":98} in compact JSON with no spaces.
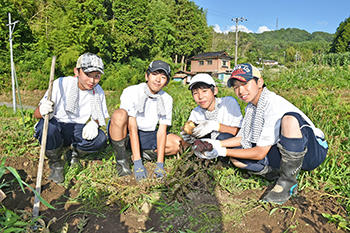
{"x":4,"y":168}
{"x":9,"y":220}
{"x":341,"y":222}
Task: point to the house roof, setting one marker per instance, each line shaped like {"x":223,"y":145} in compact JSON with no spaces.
{"x":220,"y":54}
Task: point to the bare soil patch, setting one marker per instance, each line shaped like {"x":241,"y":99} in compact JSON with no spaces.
{"x":302,"y":213}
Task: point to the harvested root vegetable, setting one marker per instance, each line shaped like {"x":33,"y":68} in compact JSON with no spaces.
{"x":202,"y":146}
{"x":189,"y":126}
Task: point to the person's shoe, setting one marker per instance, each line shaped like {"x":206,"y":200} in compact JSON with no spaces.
{"x":286,"y":184}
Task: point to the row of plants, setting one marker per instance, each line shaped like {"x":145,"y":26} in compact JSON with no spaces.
{"x":332,"y":59}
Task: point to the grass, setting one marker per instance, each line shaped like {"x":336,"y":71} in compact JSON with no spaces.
{"x":320,"y":92}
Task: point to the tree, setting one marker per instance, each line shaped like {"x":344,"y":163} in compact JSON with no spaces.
{"x":192,"y":32}
{"x":130,"y":29}
{"x":341,"y":42}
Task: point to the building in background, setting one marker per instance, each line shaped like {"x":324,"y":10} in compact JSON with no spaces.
{"x":211,"y":63}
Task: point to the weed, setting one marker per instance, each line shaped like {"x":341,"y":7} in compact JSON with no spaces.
{"x":339,"y":220}
{"x":319,"y":91}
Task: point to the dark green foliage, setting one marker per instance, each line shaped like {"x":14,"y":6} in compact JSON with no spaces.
{"x":341,"y":42}
{"x":126,"y":34}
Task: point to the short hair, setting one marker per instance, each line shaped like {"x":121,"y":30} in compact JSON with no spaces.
{"x":256,"y":80}
{"x":148,"y":71}
{"x":201,"y":85}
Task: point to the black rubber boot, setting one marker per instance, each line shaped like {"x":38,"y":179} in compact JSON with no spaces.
{"x":72,"y":157}
{"x":56,"y":164}
{"x":286,"y":184}
{"x":149,"y":155}
{"x":122,"y":157}
{"x":75,"y":158}
{"x":269,"y":173}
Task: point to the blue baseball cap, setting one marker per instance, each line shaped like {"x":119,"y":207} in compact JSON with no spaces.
{"x":243,"y":72}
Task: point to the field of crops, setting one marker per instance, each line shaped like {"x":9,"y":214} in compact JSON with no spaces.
{"x":321,"y":92}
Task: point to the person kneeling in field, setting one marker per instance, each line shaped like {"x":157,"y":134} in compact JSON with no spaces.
{"x":216,"y":118}
{"x":142,"y":107}
{"x":276,"y":139}
{"x":76,"y":110}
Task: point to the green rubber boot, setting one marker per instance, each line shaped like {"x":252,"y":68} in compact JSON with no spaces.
{"x":286,"y":184}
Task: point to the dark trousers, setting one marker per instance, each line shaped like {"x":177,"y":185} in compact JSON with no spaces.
{"x":316,"y":150}
{"x":69,"y":134}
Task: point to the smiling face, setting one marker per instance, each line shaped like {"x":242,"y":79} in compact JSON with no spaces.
{"x":87,"y":81}
{"x":204,"y":96}
{"x":249,"y":91}
{"x":156,"y":81}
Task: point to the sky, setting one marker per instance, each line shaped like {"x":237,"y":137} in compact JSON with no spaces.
{"x":269,"y":15}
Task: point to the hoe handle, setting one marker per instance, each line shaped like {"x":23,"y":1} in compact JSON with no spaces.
{"x":43,"y":144}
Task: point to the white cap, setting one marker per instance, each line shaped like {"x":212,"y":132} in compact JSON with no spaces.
{"x":201,"y":78}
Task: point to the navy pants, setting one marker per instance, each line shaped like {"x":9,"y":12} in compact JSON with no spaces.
{"x":316,"y":150}
{"x":69,"y":134}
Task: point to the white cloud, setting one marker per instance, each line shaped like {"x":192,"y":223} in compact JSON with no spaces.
{"x":241,"y":28}
{"x":217,"y":28}
{"x":262,"y":29}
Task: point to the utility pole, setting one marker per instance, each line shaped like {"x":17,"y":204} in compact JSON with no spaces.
{"x":11,"y":29}
{"x":241,"y":19}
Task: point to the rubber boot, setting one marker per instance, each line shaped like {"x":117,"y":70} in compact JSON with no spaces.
{"x":56,"y":164}
{"x":149,"y":155}
{"x":286,"y":184}
{"x":122,"y":158}
{"x":269,"y":173}
{"x":72,"y":157}
{"x":75,"y":158}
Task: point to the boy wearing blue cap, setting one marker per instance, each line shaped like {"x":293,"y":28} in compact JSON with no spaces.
{"x":76,"y":110}
{"x":143,"y":107}
{"x":276,"y":139}
{"x":216,"y":118}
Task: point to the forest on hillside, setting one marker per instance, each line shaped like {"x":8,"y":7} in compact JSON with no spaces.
{"x":129,"y":34}
{"x":281,"y":45}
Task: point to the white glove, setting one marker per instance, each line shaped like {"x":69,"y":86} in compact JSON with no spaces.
{"x":46,"y":107}
{"x":90,"y":130}
{"x":205,"y":127}
{"x":187,"y":138}
{"x":217,"y":151}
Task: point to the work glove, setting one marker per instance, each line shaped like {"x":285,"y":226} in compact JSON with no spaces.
{"x":217,"y":150}
{"x":140,"y":171}
{"x":205,"y":127}
{"x":46,"y":107}
{"x":159,"y":172}
{"x":90,"y":130}
{"x":187,"y":137}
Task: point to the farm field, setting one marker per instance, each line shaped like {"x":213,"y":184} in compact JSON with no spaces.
{"x":196,"y":196}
